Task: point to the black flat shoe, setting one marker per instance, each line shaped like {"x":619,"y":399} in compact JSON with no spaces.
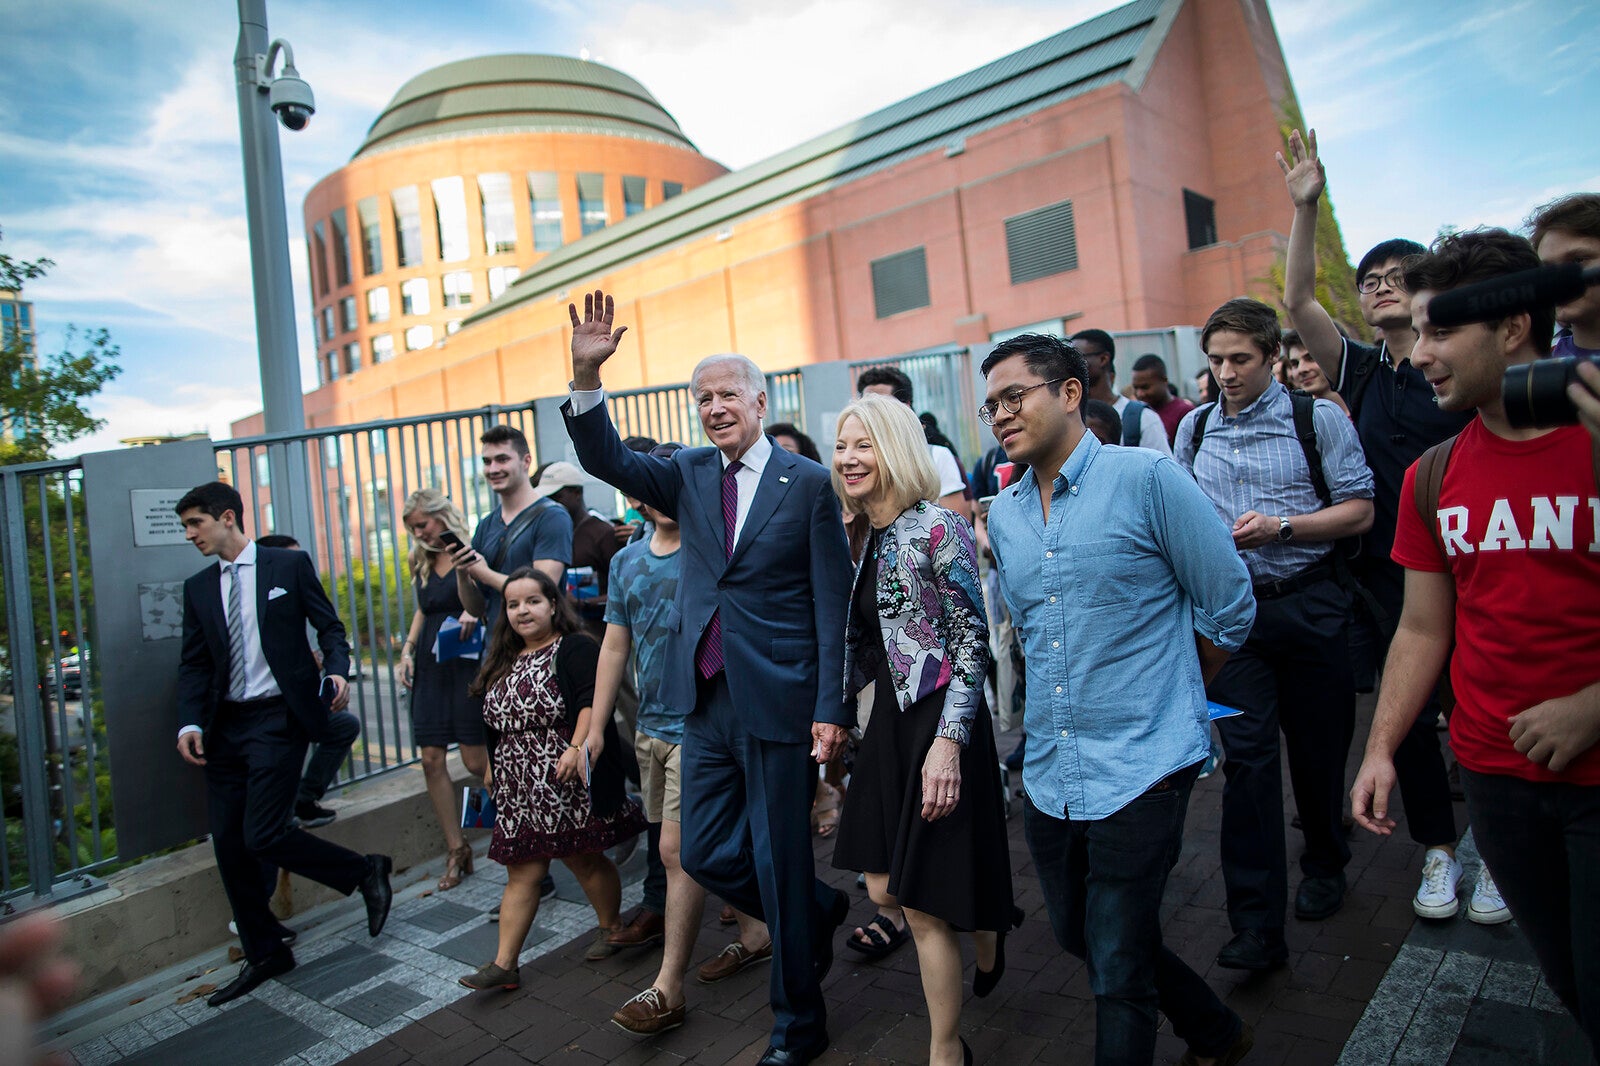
{"x":377,"y":892}
{"x":252,"y":975}
{"x":822,"y":935}
{"x":1254,"y":950}
{"x":984,"y":981}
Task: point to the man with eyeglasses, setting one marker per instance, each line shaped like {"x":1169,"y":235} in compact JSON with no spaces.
{"x":1116,"y":718}
{"x":1396,"y":418}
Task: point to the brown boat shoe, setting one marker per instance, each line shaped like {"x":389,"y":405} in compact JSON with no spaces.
{"x":732,"y":959}
{"x":647,"y":1013}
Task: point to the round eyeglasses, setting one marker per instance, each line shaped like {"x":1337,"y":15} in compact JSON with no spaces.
{"x":1011,"y":400}
{"x":1394,"y":279}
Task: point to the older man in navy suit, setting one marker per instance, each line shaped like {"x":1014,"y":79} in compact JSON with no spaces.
{"x":251,"y":698}
{"x":757,"y":651}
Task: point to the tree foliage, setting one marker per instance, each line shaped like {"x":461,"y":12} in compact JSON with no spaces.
{"x":45,"y":395}
{"x":1336,"y":278}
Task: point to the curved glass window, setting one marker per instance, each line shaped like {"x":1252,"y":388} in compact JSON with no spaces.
{"x":450,"y":215}
{"x":407,"y":225}
{"x":544,"y":200}
{"x":419,"y":337}
{"x":499,"y":216}
{"x":414,"y":297}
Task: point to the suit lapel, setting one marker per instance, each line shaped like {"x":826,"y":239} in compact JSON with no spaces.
{"x":263,"y":586}
{"x":707,"y":472}
{"x":212,"y":617}
{"x":774,"y":486}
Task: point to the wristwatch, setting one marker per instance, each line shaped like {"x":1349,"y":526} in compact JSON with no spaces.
{"x":1285,"y":530}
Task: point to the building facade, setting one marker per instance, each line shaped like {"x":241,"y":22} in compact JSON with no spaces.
{"x":1117,"y":174}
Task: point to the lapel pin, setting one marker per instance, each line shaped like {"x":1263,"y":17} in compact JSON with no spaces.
{"x":783,"y":481}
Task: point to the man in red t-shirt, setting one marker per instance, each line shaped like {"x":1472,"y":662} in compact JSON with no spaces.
{"x":1508,"y":567}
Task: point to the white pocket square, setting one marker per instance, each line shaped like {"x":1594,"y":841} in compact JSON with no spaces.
{"x":276,"y":592}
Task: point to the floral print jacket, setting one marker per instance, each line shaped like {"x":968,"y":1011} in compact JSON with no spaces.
{"x":931,"y":614}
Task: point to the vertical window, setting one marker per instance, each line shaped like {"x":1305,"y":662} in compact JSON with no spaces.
{"x":591,"y":202}
{"x":1200,"y":218}
{"x":316,"y":328}
{"x":371,"y":236}
{"x":500,"y":278}
{"x":330,"y":367}
{"x":632,"y":196}
{"x":378,"y":304}
{"x":669,"y":189}
{"x":263,"y":469}
{"x":419,"y":337}
{"x":352,"y":358}
{"x":458,"y":288}
{"x":499,"y":216}
{"x":319,"y":260}
{"x":450,"y":215}
{"x":327,"y":323}
{"x":382,"y":348}
{"x":544,"y":199}
{"x":347,"y":314}
{"x":414,"y":297}
{"x":407,"y":226}
{"x":341,"y":247}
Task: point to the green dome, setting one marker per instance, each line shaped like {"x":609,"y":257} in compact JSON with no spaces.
{"x":521,"y":94}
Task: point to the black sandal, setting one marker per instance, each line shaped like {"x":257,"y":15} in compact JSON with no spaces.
{"x":882,"y":938}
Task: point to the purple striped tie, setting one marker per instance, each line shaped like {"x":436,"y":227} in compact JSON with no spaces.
{"x":708,"y":659}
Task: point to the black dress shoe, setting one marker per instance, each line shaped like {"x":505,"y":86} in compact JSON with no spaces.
{"x":822,"y":940}
{"x":1254,"y":950}
{"x":1319,"y":898}
{"x":378,"y":893}
{"x":252,"y":974}
{"x":984,"y":981}
{"x":789,"y":1056}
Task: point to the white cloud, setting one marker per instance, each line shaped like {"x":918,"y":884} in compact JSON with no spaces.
{"x":187,"y":408}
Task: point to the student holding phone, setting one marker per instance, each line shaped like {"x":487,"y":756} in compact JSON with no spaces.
{"x":441,"y":711}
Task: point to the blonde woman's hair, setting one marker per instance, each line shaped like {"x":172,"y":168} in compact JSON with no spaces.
{"x":905,"y":472}
{"x":431,"y":502}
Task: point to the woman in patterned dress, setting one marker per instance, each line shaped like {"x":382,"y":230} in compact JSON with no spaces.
{"x":923,"y":816}
{"x":537,"y":684}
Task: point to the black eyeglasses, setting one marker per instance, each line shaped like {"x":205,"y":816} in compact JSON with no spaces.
{"x":1011,"y":400}
{"x":1394,"y":279}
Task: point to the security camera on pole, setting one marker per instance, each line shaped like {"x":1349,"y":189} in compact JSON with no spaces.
{"x":260,"y":96}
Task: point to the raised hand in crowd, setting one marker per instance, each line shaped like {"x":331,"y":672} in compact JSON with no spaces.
{"x":592,"y":338}
{"x":1302,"y":171}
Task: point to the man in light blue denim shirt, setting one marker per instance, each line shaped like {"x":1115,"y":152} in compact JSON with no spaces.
{"x":1129,"y":594}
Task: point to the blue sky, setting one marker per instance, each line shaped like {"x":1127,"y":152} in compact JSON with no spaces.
{"x":119,"y":151}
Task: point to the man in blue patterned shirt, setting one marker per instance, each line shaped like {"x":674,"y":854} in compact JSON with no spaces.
{"x":1116,"y":718}
{"x":1294,"y":671}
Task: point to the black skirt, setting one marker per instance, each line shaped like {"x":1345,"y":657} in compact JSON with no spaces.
{"x":957,"y":868}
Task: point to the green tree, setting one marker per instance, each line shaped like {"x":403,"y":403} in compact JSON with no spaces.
{"x":1336,"y":278}
{"x":45,"y":396}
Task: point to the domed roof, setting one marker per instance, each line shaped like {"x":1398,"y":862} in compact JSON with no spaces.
{"x":519,"y":94}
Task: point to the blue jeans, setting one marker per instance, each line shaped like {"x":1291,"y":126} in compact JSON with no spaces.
{"x":1103,"y":882}
{"x":1542,"y":844}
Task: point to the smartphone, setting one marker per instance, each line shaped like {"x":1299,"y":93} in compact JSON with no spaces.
{"x":984,"y":503}
{"x":451,"y":541}
{"x":327,"y":691}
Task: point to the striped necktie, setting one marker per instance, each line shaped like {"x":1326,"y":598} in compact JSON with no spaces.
{"x":708,"y":659}
{"x":236,"y":680}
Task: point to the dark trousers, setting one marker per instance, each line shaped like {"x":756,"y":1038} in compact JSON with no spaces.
{"x":1542,"y":844}
{"x":747,"y":838}
{"x":1419,"y":760}
{"x":253,"y":757}
{"x":1293,"y":673}
{"x":332,"y":748}
{"x":1103,"y":882}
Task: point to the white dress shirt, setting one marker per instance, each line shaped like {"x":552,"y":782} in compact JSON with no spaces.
{"x":748,"y":478}
{"x":258,"y":680}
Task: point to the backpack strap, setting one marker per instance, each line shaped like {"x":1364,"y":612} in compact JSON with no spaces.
{"x":1198,"y":433}
{"x":1359,"y":376}
{"x":1132,"y":427}
{"x":1428,"y":483}
{"x":1305,"y":428}
{"x":517,"y":527}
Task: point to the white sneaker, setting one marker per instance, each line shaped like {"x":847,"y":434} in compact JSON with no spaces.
{"x":1487,"y":908}
{"x":1436,"y":896}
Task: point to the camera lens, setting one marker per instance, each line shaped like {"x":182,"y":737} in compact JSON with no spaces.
{"x":1535,"y":394}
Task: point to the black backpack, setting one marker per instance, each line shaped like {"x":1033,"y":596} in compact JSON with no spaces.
{"x":1344,"y":549}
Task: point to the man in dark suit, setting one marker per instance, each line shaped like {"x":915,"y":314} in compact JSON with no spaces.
{"x":757,"y":649}
{"x":249,"y":695}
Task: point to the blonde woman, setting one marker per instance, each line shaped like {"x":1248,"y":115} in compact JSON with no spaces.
{"x":441,"y":711}
{"x":922,"y":818}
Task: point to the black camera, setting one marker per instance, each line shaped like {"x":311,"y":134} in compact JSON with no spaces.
{"x":1535,"y":394}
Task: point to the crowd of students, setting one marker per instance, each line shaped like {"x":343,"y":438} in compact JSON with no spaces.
{"x":786,"y":631}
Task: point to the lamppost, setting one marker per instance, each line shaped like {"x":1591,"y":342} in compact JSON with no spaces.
{"x":260,"y":96}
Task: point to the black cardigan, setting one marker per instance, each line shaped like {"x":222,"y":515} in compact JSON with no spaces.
{"x":577,"y":658}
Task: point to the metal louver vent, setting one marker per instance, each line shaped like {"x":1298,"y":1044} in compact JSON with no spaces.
{"x":900,"y":282}
{"x":1042,"y":242}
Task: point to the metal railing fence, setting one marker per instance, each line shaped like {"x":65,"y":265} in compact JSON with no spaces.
{"x":55,"y":811}
{"x":942,"y":384}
